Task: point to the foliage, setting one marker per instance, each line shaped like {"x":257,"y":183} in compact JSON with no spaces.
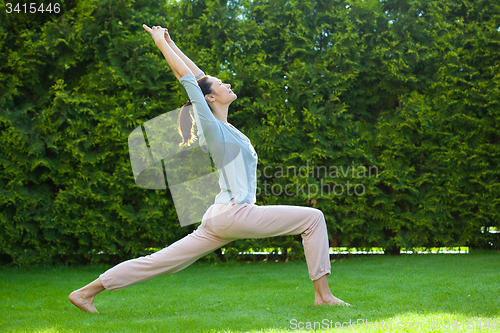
{"x":406,"y":90}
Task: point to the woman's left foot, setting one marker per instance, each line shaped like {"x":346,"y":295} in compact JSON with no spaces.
{"x":330,"y":300}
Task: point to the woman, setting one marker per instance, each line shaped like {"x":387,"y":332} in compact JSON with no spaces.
{"x":234,"y":214}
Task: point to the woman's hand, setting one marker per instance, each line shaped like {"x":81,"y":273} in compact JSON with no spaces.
{"x":167,"y":36}
{"x":157,"y":32}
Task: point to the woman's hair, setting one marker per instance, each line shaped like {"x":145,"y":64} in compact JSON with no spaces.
{"x":185,"y":120}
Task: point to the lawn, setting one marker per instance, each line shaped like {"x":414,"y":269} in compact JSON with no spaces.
{"x":459,"y":290}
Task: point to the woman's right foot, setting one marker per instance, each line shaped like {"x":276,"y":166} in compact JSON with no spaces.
{"x":82,"y":301}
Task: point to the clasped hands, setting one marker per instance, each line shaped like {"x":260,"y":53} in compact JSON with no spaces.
{"x":158,"y":33}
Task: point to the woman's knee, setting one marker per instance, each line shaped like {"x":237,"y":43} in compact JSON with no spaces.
{"x":321,"y":219}
{"x":319,"y":214}
{"x":316,"y":221}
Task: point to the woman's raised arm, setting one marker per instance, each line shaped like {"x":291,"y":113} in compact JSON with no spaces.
{"x":174,"y":61}
{"x":192,"y":66}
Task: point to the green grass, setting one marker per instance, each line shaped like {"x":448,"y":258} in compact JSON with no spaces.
{"x":263,"y":297}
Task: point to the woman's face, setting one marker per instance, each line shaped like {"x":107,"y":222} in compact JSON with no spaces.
{"x":223,"y":92}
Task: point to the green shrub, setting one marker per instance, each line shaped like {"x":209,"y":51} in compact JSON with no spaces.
{"x":405,"y":90}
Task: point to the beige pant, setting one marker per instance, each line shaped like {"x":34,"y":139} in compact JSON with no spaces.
{"x":222,"y":224}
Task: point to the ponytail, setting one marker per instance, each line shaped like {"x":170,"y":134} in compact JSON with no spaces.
{"x":186,"y":120}
{"x":185,"y":125}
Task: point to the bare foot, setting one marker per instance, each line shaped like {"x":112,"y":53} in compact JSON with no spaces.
{"x":83,"y":301}
{"x":323,"y":295}
{"x":329,"y":300}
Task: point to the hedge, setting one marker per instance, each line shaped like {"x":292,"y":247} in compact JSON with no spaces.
{"x":395,"y":102}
